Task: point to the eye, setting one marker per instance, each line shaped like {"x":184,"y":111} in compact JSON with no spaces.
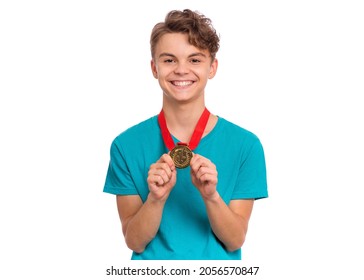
{"x":195,"y":60}
{"x":169,"y":60}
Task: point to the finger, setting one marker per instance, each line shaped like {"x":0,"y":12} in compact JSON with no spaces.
{"x":165,"y":174}
{"x":194,"y":158}
{"x":208,"y":177}
{"x":166,"y":158}
{"x":198,"y":161}
{"x":174,"y":176}
{"x":162,"y":170}
{"x":160,"y":166}
{"x":155,"y":180}
{"x":205,"y":170}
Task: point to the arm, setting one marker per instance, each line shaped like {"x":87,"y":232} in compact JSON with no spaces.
{"x":229,"y":223}
{"x":140,"y":222}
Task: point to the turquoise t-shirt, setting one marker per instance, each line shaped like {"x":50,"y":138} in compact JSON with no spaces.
{"x":185,"y":231}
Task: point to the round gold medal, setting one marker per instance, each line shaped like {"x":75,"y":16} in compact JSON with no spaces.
{"x":181,"y":155}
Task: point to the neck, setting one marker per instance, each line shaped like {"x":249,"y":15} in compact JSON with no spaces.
{"x":182,"y":119}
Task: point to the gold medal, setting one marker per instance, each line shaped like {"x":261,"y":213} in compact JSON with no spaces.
{"x":181,"y":156}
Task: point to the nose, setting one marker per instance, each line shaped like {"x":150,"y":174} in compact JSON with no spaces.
{"x":181,"y":68}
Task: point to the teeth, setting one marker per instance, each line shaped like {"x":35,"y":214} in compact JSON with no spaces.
{"x":182,"y":83}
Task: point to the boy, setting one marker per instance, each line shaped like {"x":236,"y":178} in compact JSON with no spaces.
{"x":185,"y":181}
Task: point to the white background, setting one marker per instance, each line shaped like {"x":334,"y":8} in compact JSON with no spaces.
{"x":74,"y":74}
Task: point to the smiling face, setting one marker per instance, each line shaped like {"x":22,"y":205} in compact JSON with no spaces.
{"x":181,"y":68}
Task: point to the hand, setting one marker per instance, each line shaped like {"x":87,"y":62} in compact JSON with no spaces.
{"x":204,"y":176}
{"x":162,"y":178}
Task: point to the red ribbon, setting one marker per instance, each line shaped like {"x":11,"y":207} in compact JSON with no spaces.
{"x":196,"y":136}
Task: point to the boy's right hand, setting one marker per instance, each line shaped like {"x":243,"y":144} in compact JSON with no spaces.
{"x":162,"y":178}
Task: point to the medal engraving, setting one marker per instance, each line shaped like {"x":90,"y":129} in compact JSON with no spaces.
{"x":181,"y":155}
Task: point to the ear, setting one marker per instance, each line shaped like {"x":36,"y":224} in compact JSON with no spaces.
{"x":154,"y":68}
{"x":213,"y":68}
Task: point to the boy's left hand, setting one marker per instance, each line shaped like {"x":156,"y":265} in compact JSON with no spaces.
{"x":204,"y":176}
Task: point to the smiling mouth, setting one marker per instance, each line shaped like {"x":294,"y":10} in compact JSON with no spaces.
{"x":182,"y":83}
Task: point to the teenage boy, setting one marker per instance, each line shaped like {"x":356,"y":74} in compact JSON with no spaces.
{"x":185,"y":180}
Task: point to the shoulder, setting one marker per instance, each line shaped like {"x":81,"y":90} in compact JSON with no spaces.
{"x":139,"y":130}
{"x":137,"y":136}
{"x":235,"y":131}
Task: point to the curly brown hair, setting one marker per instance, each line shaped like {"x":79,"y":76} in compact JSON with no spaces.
{"x":199,"y":29}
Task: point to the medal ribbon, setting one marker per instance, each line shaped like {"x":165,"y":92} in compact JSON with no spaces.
{"x":196,"y":136}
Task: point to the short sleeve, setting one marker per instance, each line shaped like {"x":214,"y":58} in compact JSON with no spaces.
{"x":118,"y":178}
{"x":252,"y":179}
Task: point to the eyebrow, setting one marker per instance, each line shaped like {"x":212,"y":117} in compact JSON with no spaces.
{"x":191,"y":55}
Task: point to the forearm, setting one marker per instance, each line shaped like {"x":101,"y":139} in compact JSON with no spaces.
{"x":144,"y":225}
{"x":229,"y":227}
